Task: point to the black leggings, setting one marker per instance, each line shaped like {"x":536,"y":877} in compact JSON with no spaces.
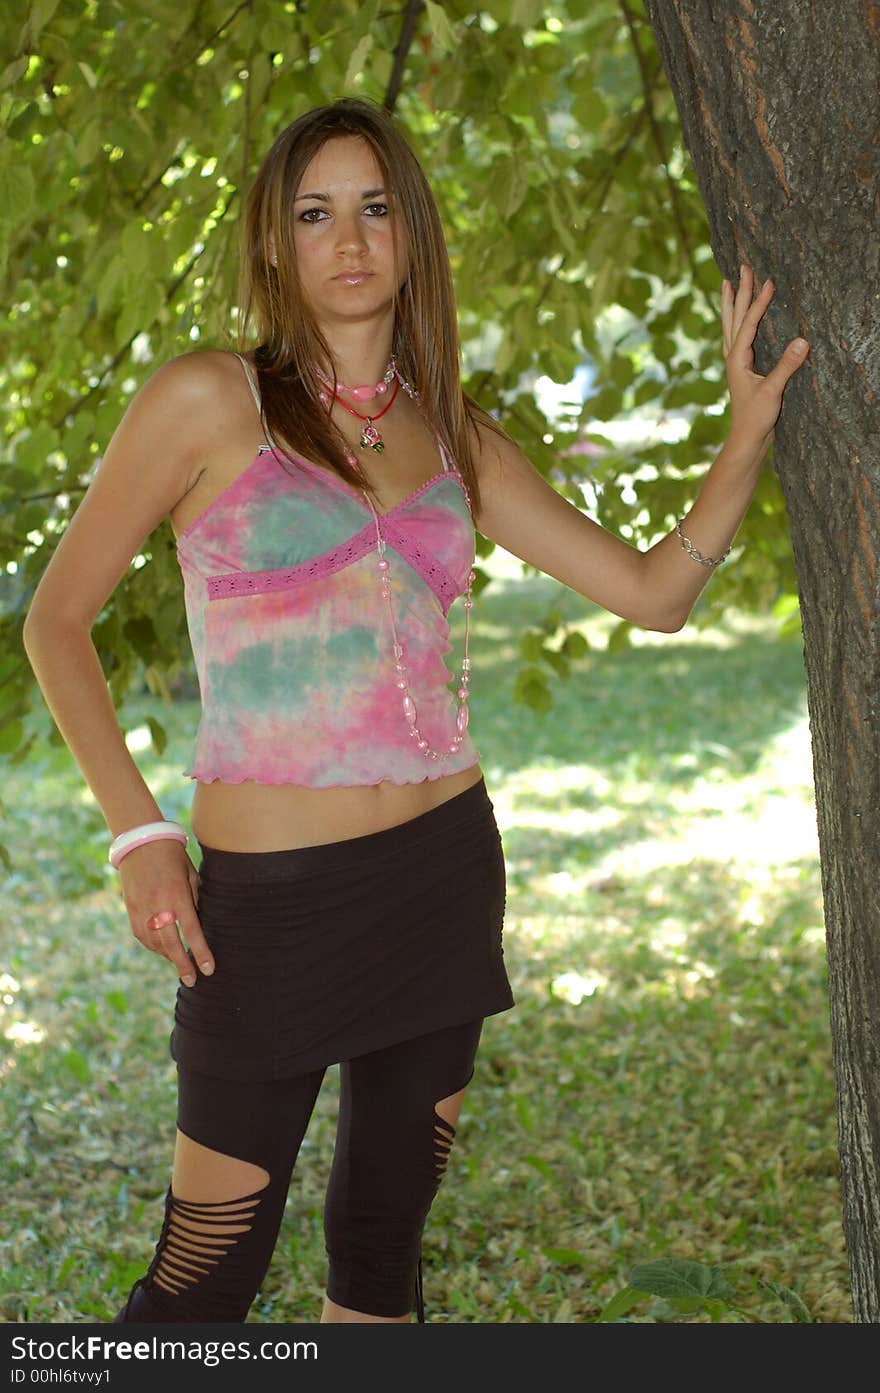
{"x":390,"y":1154}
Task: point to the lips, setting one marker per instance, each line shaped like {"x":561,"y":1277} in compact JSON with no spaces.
{"x":353,"y":277}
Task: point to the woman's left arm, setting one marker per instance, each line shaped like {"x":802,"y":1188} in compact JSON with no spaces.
{"x":655,"y":589}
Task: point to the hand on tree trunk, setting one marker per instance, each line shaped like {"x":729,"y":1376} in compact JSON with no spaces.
{"x":755,"y":401}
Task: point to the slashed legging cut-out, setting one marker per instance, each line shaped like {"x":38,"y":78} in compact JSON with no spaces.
{"x":391,"y":1152}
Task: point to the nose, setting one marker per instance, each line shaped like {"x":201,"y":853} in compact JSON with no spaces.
{"x":350,"y":239}
{"x":348,"y":234}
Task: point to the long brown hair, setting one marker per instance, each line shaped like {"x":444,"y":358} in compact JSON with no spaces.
{"x":290,"y":343}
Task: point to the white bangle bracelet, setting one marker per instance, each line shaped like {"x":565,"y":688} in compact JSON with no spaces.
{"x":139,"y":836}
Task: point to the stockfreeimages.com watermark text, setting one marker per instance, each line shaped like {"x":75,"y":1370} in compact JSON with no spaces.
{"x":98,"y":1347}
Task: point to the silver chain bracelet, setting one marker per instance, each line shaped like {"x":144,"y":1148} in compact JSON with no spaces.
{"x":698,"y":555}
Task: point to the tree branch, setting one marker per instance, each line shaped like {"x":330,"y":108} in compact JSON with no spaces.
{"x":648,"y":86}
{"x":411,"y":16}
{"x":52,"y":493}
{"x":599,"y":205}
{"x":206,"y":43}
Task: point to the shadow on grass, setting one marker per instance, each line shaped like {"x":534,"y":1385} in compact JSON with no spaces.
{"x":668,"y":706}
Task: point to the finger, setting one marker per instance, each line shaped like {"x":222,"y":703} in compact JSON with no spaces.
{"x":198,"y":944}
{"x":752,"y":313}
{"x":740,"y":299}
{"x":160,"y":920}
{"x":743,"y":297}
{"x":793,"y":357}
{"x":742,"y":354}
{"x":162,"y":935}
{"x":726,"y":313}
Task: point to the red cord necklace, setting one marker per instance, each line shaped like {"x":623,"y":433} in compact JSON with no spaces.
{"x":370,"y":437}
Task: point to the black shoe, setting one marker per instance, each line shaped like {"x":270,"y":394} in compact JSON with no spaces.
{"x":138,"y":1307}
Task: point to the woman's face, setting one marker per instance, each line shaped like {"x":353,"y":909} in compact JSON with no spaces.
{"x":346,"y":234}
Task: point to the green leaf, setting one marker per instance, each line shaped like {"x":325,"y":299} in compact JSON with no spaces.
{"x":17,"y":190}
{"x":576,"y":645}
{"x":531,"y":646}
{"x":619,"y":638}
{"x":540,"y":1165}
{"x":681,"y":1278}
{"x":41,"y":12}
{"x":118,"y":1000}
{"x":568,"y":1257}
{"x":588,"y":108}
{"x":77,"y":1065}
{"x":557,"y":661}
{"x":530,"y":689}
{"x":620,"y":1303}
{"x":30,"y":453}
{"x":13,"y":71}
{"x":788,"y":1298}
{"x":158,"y":735}
{"x":438,"y":22}
{"x":358,"y":60}
{"x":11,"y":736}
{"x":276,"y":36}
{"x":526,"y":12}
{"x":525,"y":1112}
{"x":27,"y":120}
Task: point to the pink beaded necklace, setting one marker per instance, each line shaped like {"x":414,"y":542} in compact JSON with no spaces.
{"x":401,"y":681}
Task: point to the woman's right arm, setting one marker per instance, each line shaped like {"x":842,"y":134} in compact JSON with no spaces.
{"x":150,"y":462}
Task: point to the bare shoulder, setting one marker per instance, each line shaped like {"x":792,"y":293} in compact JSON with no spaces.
{"x":195,"y":388}
{"x":497,"y":460}
{"x":494,"y":453}
{"x":200,"y":364}
{"x":151,"y":462}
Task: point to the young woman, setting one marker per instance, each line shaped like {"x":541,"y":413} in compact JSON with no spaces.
{"x":324,"y":489}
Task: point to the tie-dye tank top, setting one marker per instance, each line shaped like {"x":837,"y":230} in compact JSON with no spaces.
{"x":291,"y":636}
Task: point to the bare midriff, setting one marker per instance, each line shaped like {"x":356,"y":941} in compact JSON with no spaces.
{"x":278,"y":817}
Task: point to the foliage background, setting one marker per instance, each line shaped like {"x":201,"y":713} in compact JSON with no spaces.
{"x":577,"y":236}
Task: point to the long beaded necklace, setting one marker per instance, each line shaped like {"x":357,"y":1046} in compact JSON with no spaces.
{"x":401,"y":682}
{"x":409,"y":706}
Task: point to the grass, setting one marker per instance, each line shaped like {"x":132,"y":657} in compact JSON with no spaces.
{"x":663,"y":1088}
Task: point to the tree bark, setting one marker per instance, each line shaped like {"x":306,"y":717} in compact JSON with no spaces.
{"x":780,"y":109}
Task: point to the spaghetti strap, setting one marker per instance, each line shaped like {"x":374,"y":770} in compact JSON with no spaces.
{"x":248,"y":372}
{"x":255,"y":392}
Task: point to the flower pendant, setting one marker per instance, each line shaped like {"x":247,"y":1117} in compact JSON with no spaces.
{"x":371,"y":439}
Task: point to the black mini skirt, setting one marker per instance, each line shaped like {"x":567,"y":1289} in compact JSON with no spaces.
{"x":327,"y":952}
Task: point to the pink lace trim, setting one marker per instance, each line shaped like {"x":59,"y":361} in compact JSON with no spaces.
{"x":432,"y":571}
{"x":261,"y":582}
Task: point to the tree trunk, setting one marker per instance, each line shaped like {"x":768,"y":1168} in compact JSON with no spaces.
{"x":779,"y":109}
